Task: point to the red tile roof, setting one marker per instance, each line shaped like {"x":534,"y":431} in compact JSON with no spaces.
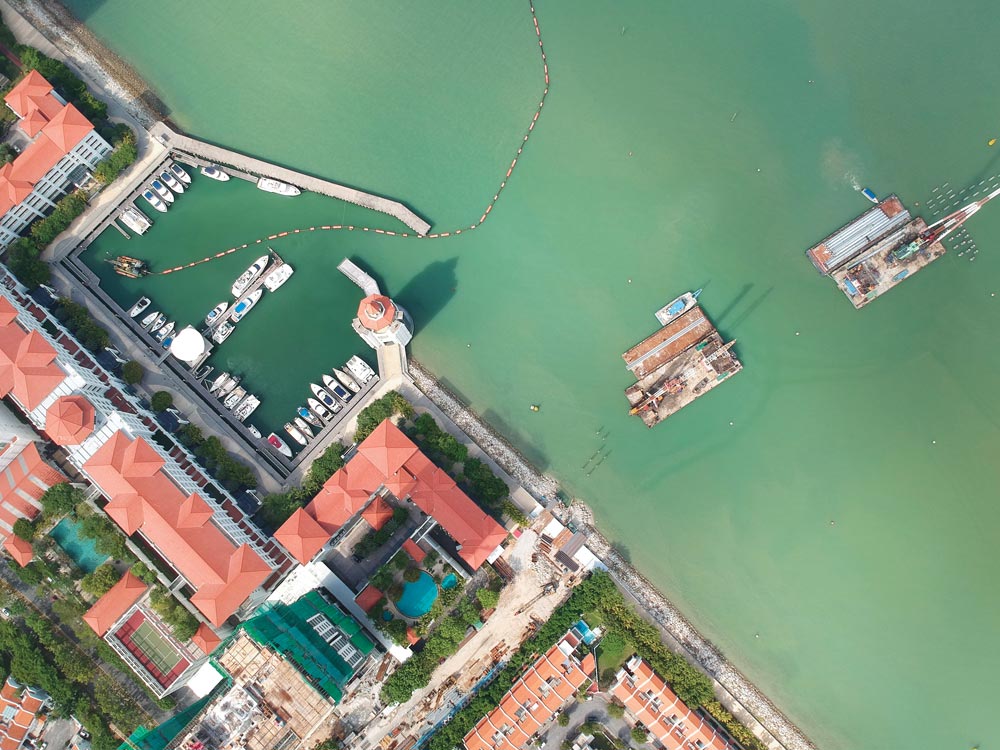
{"x":544,"y":688}
{"x":69,"y":420}
{"x":302,"y":536}
{"x":145,"y":499}
{"x":26,"y":476}
{"x":27,"y":361}
{"x":387,"y":448}
{"x":377,"y":514}
{"x":368,"y":597}
{"x":413,"y":550}
{"x":376,"y":312}
{"x":22,"y":706}
{"x":109,"y":608}
{"x":33,"y":93}
{"x":19,"y":549}
{"x":205,"y":639}
{"x":667,"y":717}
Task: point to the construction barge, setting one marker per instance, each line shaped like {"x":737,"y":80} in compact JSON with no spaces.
{"x":683,"y":360}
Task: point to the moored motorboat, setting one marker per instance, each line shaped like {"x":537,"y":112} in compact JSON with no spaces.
{"x":279,"y":445}
{"x":245,"y":305}
{"x":336,"y":389}
{"x":203,"y":373}
{"x":135,"y":219}
{"x":278,"y":276}
{"x":167,"y":341}
{"x":249,"y":276}
{"x":677,"y":307}
{"x":215,"y":173}
{"x":237,"y":395}
{"x":870,"y":195}
{"x":154,"y":200}
{"x":245,"y":408}
{"x":360,"y":369}
{"x":319,"y":410}
{"x":304,"y":428}
{"x":309,"y":416}
{"x":219,"y":382}
{"x":297,"y":436}
{"x":223,"y":332}
{"x":180,"y":173}
{"x":347,"y":380}
{"x":325,"y":398}
{"x":254,"y":431}
{"x":276,"y":186}
{"x":216,"y":313}
{"x":141,"y":304}
{"x":162,"y":191}
{"x":228,"y":386}
{"x":148,"y":320}
{"x":171,"y":182}
{"x":165,"y":331}
{"x":157,"y":323}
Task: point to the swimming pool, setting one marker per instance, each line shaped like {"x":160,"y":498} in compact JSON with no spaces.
{"x":449,"y":581}
{"x":80,"y":548}
{"x":418,"y":596}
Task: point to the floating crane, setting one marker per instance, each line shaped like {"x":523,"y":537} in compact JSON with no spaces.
{"x":950,"y":223}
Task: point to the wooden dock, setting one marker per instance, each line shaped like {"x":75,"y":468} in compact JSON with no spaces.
{"x":206,"y":153}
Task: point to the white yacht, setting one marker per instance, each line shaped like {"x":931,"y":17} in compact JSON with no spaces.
{"x":148,"y":320}
{"x":171,"y":182}
{"x":347,"y":380}
{"x":135,"y":219}
{"x":325,"y":398}
{"x":279,"y":445}
{"x":319,"y":410}
{"x":180,"y":173}
{"x":278,"y":276}
{"x":237,"y":395}
{"x":157,"y":323}
{"x":219,"y":382}
{"x":308,"y":416}
{"x":336,"y":389}
{"x":154,"y":200}
{"x":245,"y":408}
{"x":138,"y":307}
{"x":250,"y":275}
{"x":162,"y":191}
{"x":165,"y":331}
{"x":250,"y":428}
{"x":245,"y":305}
{"x":228,"y":386}
{"x":216,"y":313}
{"x":297,"y":436}
{"x":215,"y":173}
{"x":360,"y":369}
{"x":302,"y":427}
{"x":223,"y":332}
{"x":274,"y":186}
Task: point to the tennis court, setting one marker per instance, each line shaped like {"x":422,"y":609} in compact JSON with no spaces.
{"x":155,"y":647}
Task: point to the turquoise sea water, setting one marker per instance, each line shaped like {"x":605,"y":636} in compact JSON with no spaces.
{"x":82,"y":550}
{"x":877,"y":631}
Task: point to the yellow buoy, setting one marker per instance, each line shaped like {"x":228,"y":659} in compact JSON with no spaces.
{"x":991,"y":142}
{"x":534,"y":407}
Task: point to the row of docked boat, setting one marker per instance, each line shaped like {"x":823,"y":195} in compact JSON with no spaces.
{"x":154,"y":323}
{"x":161,"y":191}
{"x":234,"y":397}
{"x":224,"y":317}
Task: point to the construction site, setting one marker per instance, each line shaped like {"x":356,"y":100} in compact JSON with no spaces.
{"x":884,"y":246}
{"x":682,"y":361}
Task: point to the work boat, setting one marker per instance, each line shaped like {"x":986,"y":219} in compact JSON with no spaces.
{"x":244,"y":305}
{"x":216,"y":313}
{"x":138,"y":307}
{"x":309,"y":417}
{"x":677,"y":307}
{"x":274,"y":186}
{"x":279,"y":445}
{"x":297,"y":436}
{"x":162,"y":191}
{"x":154,"y":200}
{"x":319,"y":410}
{"x":215,"y":173}
{"x":171,"y":182}
{"x":250,"y":275}
{"x":347,"y":380}
{"x":360,"y":369}
{"x":278,"y":276}
{"x":325,"y":398}
{"x":180,"y":173}
{"x":336,"y":389}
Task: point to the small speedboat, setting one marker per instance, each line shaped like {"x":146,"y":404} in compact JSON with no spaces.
{"x":245,"y":408}
{"x":138,"y":307}
{"x":279,"y":445}
{"x":219,"y":382}
{"x":325,"y":398}
{"x":154,"y":200}
{"x":360,"y":369}
{"x":336,"y":389}
{"x":319,"y":410}
{"x":215,"y":173}
{"x":677,"y":307}
{"x":247,"y":277}
{"x":180,"y":173}
{"x":162,"y":191}
{"x":275,"y":186}
{"x":297,"y":436}
{"x":157,"y":323}
{"x":278,"y":276}
{"x":223,"y":332}
{"x":309,"y":416}
{"x":216,"y":313}
{"x":347,"y":380}
{"x":203,"y":373}
{"x":254,"y":431}
{"x":167,"y":341}
{"x":228,"y":386}
{"x":148,"y":320}
{"x":165,"y":331}
{"x":870,"y":195}
{"x":245,"y":305}
{"x":171,"y":182}
{"x":237,"y":395}
{"x":304,"y":428}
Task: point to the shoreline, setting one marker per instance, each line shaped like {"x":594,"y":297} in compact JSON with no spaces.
{"x":108,"y":74}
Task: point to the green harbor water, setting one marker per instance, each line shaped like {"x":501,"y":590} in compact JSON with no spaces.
{"x":876,"y":631}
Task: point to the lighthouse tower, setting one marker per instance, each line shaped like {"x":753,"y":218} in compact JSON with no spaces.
{"x":381,"y":321}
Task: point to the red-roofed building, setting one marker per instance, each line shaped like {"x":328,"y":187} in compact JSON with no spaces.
{"x":206,"y":639}
{"x":666,"y":717}
{"x":24,"y":475}
{"x":119,"y":599}
{"x":533,"y":700}
{"x":378,"y":513}
{"x":19,"y":549}
{"x":302,"y":536}
{"x":368,"y":597}
{"x":69,"y":420}
{"x":387,"y":459}
{"x":64,"y":148}
{"x":381,"y":321}
{"x":22,"y":713}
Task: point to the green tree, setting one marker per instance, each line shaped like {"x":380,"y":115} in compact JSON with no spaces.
{"x":411,"y":574}
{"x":616,"y":710}
{"x":24,"y":261}
{"x":161,"y":401}
{"x":323,"y":468}
{"x":101,"y":580}
{"x":563,"y":719}
{"x":488,"y":598}
{"x":132,"y":372}
{"x":275,"y":509}
{"x":639,"y":735}
{"x":143,"y":572}
{"x":60,"y":499}
{"x":24,"y":529}
{"x":67,"y":209}
{"x":124,"y":154}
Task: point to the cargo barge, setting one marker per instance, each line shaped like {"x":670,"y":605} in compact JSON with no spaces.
{"x":683,"y":360}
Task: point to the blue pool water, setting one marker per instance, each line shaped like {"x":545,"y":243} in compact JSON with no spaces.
{"x":449,"y":581}
{"x":387,"y":615}
{"x":585,"y":632}
{"x":82,"y":550}
{"x":418,"y":597}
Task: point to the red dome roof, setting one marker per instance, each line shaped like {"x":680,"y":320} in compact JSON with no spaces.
{"x":69,"y":420}
{"x":376,"y":312}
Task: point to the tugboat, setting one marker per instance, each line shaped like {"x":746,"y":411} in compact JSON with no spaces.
{"x":275,"y":186}
{"x":297,"y":436}
{"x":180,"y":173}
{"x":347,"y":380}
{"x":133,"y":268}
{"x":309,"y":417}
{"x":138,"y":307}
{"x":279,"y":445}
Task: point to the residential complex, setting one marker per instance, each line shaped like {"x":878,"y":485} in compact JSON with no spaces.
{"x":22,"y":713}
{"x":62,"y":147}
